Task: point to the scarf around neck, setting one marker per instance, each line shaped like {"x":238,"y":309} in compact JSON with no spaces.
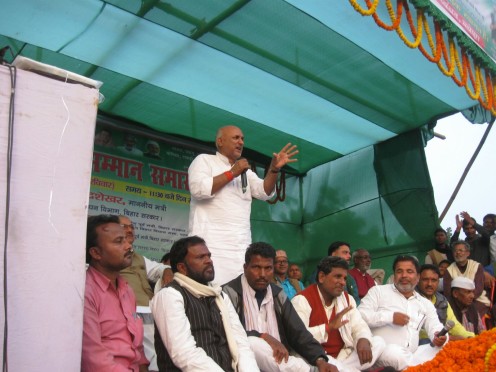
{"x":212,"y":290}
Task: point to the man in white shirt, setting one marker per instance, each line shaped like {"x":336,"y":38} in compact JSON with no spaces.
{"x":220,"y":205}
{"x":396,"y":313}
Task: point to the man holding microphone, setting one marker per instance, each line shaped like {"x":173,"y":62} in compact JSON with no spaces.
{"x":222,"y":187}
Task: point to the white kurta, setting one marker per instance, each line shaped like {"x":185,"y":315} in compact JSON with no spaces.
{"x":351,"y":332}
{"x":377,"y":309}
{"x":222,"y":219}
{"x":175,"y":329}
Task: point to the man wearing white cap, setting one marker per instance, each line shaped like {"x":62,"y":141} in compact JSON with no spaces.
{"x":462,"y":303}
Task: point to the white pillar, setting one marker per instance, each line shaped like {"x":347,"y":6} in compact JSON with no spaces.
{"x":53,"y":126}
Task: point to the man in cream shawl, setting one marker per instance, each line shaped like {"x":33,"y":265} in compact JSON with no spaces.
{"x":198,"y":329}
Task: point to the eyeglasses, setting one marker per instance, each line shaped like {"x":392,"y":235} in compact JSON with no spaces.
{"x":130,"y":226}
{"x":363,"y":257}
{"x":281,"y":262}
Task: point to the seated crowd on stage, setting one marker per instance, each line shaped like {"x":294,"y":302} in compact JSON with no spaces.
{"x":141,"y":315}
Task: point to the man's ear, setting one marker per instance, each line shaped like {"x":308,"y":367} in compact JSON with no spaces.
{"x":218,"y":142}
{"x":181,"y":268}
{"x":320,"y":277}
{"x":95,"y":253}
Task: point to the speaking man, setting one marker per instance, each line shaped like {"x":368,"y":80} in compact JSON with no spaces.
{"x":222,"y":187}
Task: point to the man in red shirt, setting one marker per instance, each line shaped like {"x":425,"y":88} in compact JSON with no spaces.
{"x":362,"y":261}
{"x":112,"y":333}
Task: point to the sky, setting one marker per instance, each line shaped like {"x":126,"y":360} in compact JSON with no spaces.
{"x":447,"y":160}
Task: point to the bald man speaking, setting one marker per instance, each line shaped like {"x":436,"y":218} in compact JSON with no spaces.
{"x":222,"y":187}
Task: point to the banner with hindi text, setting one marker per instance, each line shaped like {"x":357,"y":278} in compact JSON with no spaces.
{"x":476,"y":18}
{"x":145,"y":179}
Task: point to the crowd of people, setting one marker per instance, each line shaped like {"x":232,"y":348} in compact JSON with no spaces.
{"x":219,"y":302}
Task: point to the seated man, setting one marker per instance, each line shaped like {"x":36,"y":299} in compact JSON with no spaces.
{"x":362,"y":261}
{"x":463,"y":266}
{"x":331,"y":316}
{"x":462,"y":301}
{"x":443,"y":265}
{"x":112,"y":333}
{"x":273,"y":327}
{"x":441,"y":250}
{"x":427,"y":287}
{"x":197,"y":328}
{"x":139,"y":274}
{"x":341,"y":249}
{"x":294,"y":272}
{"x":290,"y":286}
{"x":397,"y":313}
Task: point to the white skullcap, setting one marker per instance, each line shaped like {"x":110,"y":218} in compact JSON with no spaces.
{"x":462,"y":282}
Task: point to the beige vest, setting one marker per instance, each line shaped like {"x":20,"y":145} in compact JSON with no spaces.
{"x":138,"y":280}
{"x":470,"y":272}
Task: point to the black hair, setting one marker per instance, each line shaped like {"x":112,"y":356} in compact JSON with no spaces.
{"x":440,"y":229}
{"x":430,"y":267}
{"x":179,"y":250}
{"x":409,"y":258}
{"x":91,"y":234}
{"x":335,"y":245}
{"x":260,"y":249}
{"x":328,"y":263}
{"x":165,"y":257}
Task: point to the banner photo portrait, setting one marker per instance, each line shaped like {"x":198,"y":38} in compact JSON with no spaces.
{"x":146,"y":180}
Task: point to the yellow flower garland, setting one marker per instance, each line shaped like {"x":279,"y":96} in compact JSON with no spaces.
{"x":452,"y":59}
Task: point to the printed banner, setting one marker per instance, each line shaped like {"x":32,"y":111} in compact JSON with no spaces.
{"x":145,"y":180}
{"x":476,"y":18}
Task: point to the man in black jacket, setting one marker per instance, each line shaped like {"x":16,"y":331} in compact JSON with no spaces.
{"x":274,"y":328}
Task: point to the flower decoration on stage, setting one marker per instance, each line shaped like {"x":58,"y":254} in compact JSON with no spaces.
{"x":469,"y":355}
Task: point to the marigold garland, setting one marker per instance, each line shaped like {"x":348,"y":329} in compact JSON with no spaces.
{"x":482,"y":81}
{"x":469,"y":355}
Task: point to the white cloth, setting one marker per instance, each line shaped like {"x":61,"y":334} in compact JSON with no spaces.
{"x":222,"y":219}
{"x":351,"y":332}
{"x":175,"y":330}
{"x":267,"y":363}
{"x":377,"y":309}
{"x":154,"y":273}
{"x":154,"y":269}
{"x":261,"y":319}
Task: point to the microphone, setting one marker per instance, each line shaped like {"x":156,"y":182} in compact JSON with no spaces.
{"x":447,"y":327}
{"x":244,"y":182}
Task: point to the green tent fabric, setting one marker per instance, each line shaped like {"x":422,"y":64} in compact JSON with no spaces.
{"x":313,"y":73}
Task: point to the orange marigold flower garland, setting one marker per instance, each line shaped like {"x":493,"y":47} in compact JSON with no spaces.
{"x":470,"y":355}
{"x":483,"y":86}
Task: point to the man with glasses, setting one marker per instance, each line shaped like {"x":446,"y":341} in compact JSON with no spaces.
{"x":138,"y":275}
{"x":362,"y":261}
{"x":471,"y":269}
{"x":396,"y":312}
{"x":281,"y":265}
